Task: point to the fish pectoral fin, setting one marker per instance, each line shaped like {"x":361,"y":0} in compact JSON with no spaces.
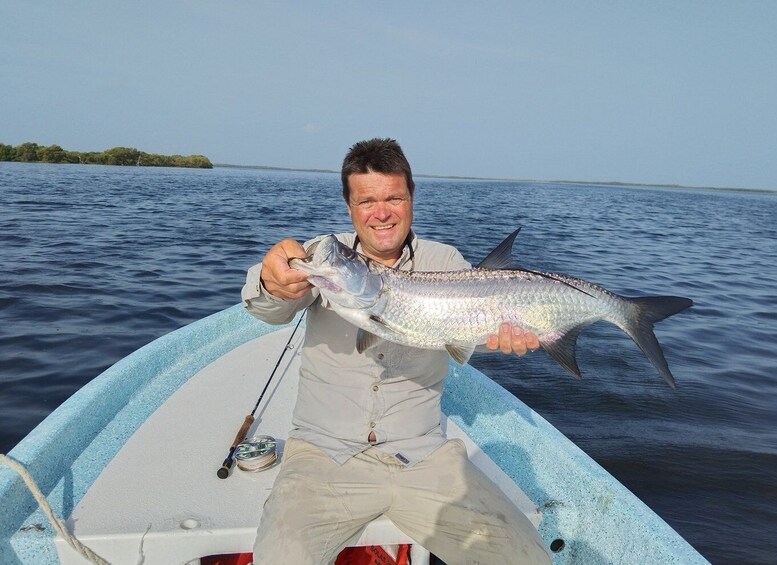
{"x":460,"y":353}
{"x":387,"y":326}
{"x":365,"y":340}
{"x":562,"y":349}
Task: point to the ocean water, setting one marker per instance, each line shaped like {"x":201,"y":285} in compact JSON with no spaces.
{"x":97,"y":261}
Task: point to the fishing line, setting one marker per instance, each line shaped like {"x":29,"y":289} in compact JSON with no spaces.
{"x":256,"y":454}
{"x":260,"y":449}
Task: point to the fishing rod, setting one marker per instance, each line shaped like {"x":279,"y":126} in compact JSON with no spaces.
{"x":223,"y":472}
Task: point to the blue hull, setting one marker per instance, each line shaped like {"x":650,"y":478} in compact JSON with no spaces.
{"x":586,"y":514}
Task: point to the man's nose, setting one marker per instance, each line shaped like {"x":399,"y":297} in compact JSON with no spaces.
{"x":382,"y":210}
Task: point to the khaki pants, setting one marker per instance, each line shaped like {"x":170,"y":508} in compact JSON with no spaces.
{"x":444,"y":502}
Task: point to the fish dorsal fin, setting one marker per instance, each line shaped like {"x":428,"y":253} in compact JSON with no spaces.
{"x":460,"y":353}
{"x":562,"y":350}
{"x":365,"y":340}
{"x":502,"y":256}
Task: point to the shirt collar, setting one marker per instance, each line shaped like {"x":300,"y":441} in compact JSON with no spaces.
{"x":406,"y":260}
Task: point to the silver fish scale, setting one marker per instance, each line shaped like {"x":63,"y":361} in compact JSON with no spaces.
{"x":458,"y":310}
{"x":433,"y":309}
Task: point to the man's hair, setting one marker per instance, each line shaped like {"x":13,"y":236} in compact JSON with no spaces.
{"x":376,"y":156}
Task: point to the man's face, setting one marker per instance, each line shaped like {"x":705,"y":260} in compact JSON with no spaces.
{"x":381,"y":211}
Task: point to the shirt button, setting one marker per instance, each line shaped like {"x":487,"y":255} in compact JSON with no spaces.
{"x":372,"y":424}
{"x":376,"y":388}
{"x":380,"y":355}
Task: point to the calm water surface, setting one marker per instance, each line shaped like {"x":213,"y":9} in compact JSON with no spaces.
{"x":97,"y":261}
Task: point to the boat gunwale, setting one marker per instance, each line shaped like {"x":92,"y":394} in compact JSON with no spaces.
{"x":574,"y":493}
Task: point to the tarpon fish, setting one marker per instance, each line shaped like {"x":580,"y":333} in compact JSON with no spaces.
{"x":458,"y":310}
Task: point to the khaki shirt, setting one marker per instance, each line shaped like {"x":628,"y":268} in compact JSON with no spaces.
{"x":391,"y":390}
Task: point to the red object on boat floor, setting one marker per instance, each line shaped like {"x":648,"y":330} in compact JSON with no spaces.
{"x":366,"y":555}
{"x":229,"y":559}
{"x":372,"y":555}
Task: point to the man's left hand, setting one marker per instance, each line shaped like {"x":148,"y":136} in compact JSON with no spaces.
{"x":512,"y":339}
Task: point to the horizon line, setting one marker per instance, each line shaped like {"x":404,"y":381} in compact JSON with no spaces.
{"x":499,"y":179}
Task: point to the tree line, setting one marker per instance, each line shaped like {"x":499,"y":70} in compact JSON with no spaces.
{"x":34,"y":153}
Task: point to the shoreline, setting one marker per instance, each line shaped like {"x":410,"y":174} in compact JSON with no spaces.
{"x":449,"y":177}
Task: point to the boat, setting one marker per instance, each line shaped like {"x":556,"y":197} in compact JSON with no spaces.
{"x":130,"y":461}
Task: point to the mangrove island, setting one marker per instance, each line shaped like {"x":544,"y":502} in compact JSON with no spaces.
{"x":128,"y":156}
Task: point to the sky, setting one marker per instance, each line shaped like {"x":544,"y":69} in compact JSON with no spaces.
{"x":664,"y":92}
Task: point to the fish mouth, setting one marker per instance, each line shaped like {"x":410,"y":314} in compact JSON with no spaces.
{"x":319,"y":263}
{"x":297,"y":260}
{"x":310,"y":251}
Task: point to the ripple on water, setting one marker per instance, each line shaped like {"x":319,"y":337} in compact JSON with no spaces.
{"x":98,"y":261}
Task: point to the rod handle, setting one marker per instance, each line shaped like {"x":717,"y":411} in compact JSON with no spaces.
{"x":223,"y":472}
{"x":243,"y":431}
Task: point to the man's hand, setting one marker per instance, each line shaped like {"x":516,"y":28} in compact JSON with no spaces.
{"x":512,"y":339}
{"x":278,"y":278}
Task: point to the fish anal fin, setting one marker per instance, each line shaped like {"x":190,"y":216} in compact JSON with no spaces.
{"x":365,"y":340}
{"x":562,"y":349}
{"x":460,"y":353}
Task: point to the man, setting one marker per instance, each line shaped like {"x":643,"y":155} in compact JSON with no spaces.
{"x":366,"y":437}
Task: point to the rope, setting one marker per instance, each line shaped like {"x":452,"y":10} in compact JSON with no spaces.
{"x":58,"y":524}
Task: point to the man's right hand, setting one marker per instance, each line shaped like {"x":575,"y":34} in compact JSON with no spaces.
{"x":278,"y":278}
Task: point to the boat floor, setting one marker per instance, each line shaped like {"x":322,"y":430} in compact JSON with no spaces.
{"x":160,"y":500}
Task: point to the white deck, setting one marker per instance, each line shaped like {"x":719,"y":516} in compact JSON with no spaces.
{"x":160,"y":500}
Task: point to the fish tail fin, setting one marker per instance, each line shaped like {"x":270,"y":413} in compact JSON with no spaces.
{"x":644,"y":312}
